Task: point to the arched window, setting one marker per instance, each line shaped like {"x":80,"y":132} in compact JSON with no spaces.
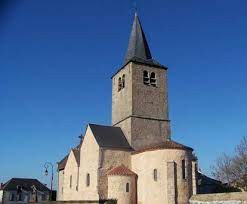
{"x":155,"y":175}
{"x":123,"y":81}
{"x":70,"y":181}
{"x":88,"y":180}
{"x":127,"y":187}
{"x":153,"y":79}
{"x":145,"y":77}
{"x":183,"y":169}
{"x":119,"y":83}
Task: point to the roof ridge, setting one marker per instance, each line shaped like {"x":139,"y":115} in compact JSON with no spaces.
{"x":168,"y":144}
{"x":102,"y":125}
{"x":24,"y":182}
{"x":4,"y":185}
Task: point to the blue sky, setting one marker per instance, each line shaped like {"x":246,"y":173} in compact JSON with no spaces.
{"x":57,"y":57}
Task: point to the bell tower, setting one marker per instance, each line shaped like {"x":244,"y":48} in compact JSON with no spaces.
{"x":139,"y":94}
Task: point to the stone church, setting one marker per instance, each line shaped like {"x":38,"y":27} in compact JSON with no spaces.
{"x":135,"y":160}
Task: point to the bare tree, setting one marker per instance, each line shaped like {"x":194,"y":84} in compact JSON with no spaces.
{"x":233,"y":169}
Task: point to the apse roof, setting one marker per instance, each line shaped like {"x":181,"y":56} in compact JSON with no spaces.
{"x":121,"y":171}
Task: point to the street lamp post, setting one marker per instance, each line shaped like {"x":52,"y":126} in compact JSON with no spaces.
{"x":47,"y":165}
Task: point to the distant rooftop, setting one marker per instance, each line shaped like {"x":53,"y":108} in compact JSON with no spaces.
{"x":25,"y":184}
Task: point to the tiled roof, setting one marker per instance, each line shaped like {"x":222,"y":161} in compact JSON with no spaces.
{"x":169,"y":144}
{"x":25,"y":184}
{"x":110,"y":137}
{"x":121,"y":171}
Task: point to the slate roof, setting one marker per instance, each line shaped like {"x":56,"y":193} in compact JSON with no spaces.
{"x":62,"y":163}
{"x":169,"y":144}
{"x":138,"y":46}
{"x":110,"y":137}
{"x":121,"y":171}
{"x":25,"y":184}
{"x":106,"y":137}
{"x":76,"y":152}
{"x":138,"y":49}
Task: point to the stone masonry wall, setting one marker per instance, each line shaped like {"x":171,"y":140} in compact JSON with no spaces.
{"x":60,"y":185}
{"x":150,"y":124}
{"x":171,"y":183}
{"x":117,"y":189}
{"x":69,"y":191}
{"x":89,"y":164}
{"x":122,"y":100}
{"x":125,"y":125}
{"x":151,"y":191}
{"x":146,"y":132}
{"x":220,"y":198}
{"x":149,"y":101}
{"x":142,"y":132}
{"x":110,"y":159}
{"x":141,"y":110}
{"x":194,"y":177}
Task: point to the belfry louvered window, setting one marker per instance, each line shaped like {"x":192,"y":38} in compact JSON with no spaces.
{"x":119,"y":83}
{"x":146,"y":77}
{"x":123,"y":81}
{"x":153,"y":79}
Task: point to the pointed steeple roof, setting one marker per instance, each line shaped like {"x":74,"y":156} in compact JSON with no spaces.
{"x":138,"y":50}
{"x":138,"y":46}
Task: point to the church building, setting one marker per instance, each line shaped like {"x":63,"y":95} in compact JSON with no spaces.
{"x":135,"y":160}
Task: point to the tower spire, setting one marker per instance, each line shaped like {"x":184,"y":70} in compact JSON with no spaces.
{"x":138,"y":46}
